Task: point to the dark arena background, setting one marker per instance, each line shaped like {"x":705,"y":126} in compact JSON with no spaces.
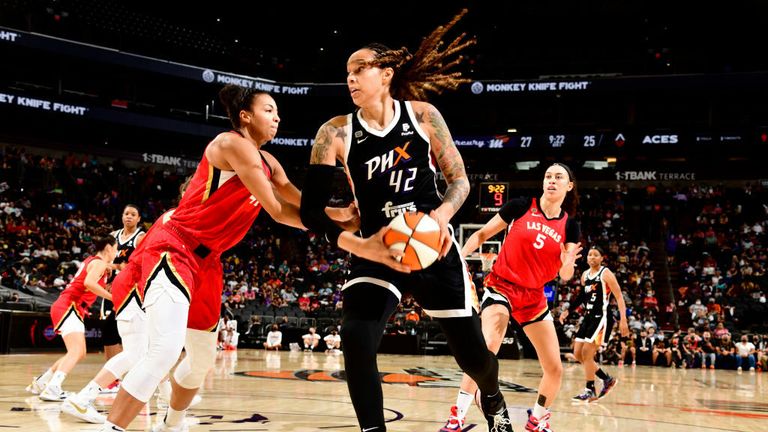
{"x":659,"y":108}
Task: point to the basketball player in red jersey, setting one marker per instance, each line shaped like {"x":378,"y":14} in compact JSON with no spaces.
{"x":68,"y":310}
{"x":541,"y":243}
{"x":233,"y":181}
{"x":127,"y":293}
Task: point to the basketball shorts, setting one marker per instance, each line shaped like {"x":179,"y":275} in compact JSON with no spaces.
{"x":595,"y":329}
{"x":109,"y":334}
{"x":525,"y":305}
{"x":169,"y":267}
{"x":205,"y":308}
{"x":67,"y":317}
{"x":444,"y":289}
{"x":126,"y":292}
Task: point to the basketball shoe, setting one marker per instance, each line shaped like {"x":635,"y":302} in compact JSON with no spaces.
{"x":538,"y":425}
{"x":608,"y":384}
{"x":586,"y":396}
{"x":53,"y":394}
{"x":84,"y":410}
{"x":495,"y":412}
{"x":454,"y":423}
{"x":36,"y":387}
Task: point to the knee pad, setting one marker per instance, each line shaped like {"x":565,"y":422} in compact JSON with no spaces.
{"x":201,"y":356}
{"x":120,"y":364}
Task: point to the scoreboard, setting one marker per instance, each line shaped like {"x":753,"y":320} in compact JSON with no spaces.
{"x":493,"y":195}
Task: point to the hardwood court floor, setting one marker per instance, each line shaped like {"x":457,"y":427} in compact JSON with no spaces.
{"x":252,"y":390}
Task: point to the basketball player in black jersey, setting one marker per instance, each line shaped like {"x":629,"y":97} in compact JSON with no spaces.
{"x":386,"y":148}
{"x":128,"y":238}
{"x":595,"y":329}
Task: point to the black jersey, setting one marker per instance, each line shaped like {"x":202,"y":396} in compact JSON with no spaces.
{"x":125,"y":249}
{"x":391,"y":171}
{"x":597,"y":293}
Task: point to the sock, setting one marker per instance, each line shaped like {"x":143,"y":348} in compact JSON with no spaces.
{"x":111,"y":427}
{"x":45,"y":377}
{"x":591,"y":385}
{"x":463,"y":401}
{"x":89,"y":392}
{"x":602,"y":375}
{"x":539,"y":411}
{"x":57,"y":379}
{"x":173,"y":417}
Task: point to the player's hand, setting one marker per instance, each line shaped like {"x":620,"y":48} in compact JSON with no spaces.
{"x":569,"y":257}
{"x":624,"y":328}
{"x":373,"y":249}
{"x":563,"y":316}
{"x":445,"y":236}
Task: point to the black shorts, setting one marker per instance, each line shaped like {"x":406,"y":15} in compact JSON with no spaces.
{"x":595,"y":329}
{"x":443,"y":290}
{"x":109,"y":333}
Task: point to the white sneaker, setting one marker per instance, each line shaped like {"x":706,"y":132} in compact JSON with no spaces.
{"x":35,"y":388}
{"x":111,"y":390}
{"x":738,"y":368}
{"x":162,"y":427}
{"x":83,"y":410}
{"x":53,"y":394}
{"x":162,"y":402}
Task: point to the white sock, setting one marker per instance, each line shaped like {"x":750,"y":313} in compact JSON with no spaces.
{"x":539,"y":411}
{"x":45,"y":377}
{"x":173,"y":417}
{"x":89,"y":392}
{"x":463,"y":401}
{"x":57,"y":379}
{"x":111,"y":427}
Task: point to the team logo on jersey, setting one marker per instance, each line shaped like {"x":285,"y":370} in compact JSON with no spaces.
{"x":387,"y":161}
{"x":406,"y":130}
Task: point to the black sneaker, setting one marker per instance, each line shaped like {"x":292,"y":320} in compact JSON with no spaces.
{"x":495,"y":411}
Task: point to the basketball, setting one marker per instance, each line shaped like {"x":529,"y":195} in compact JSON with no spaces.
{"x":416,"y":235}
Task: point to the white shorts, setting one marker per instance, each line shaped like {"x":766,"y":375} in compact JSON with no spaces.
{"x":71,"y":324}
{"x":130,"y":311}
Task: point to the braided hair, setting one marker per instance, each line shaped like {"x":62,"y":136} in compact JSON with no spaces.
{"x":429,"y":69}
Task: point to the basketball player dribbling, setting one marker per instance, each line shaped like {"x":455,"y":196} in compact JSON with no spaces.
{"x":386,"y":147}
{"x":595,"y":330}
{"x":541,"y":244}
{"x":233,"y":181}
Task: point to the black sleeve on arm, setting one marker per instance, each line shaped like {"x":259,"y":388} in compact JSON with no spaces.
{"x":314,"y":198}
{"x":514,"y":209}
{"x":572,"y":231}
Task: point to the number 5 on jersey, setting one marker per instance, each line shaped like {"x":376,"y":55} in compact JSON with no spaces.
{"x":396,"y":179}
{"x":539,"y":243}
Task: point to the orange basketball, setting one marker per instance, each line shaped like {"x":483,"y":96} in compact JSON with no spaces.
{"x":416,"y":235}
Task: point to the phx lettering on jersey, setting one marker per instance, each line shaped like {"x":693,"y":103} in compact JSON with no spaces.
{"x":538,"y":226}
{"x":388,"y":160}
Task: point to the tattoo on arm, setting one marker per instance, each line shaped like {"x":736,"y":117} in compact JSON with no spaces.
{"x":322,"y":144}
{"x":448,"y":158}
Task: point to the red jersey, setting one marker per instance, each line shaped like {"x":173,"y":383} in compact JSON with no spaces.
{"x":76,"y":292}
{"x":217,"y":209}
{"x":530,"y":255}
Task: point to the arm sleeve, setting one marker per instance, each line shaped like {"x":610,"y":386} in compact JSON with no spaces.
{"x":572,"y":231}
{"x":314,"y":198}
{"x":514,"y":209}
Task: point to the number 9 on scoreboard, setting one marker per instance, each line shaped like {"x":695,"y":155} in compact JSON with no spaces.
{"x":493,"y":196}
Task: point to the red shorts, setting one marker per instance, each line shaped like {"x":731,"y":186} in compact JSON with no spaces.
{"x":64,"y":308}
{"x":205,"y":308}
{"x":526,"y":305}
{"x":199,"y":279}
{"x":126,"y":285}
